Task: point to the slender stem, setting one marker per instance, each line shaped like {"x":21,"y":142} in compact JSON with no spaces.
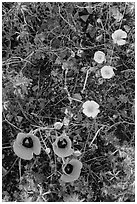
{"x":95,"y":136}
{"x":20,"y":168}
{"x":74,"y":99}
{"x":7,"y":147}
{"x":63,"y":160}
{"x":85,"y":81}
{"x":65,"y":86}
{"x":42,"y":128}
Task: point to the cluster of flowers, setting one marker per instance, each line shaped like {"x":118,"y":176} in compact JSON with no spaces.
{"x":28,"y":144}
{"x":107,"y":71}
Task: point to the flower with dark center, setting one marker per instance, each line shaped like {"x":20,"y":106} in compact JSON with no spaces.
{"x":68,"y":169}
{"x":71,"y":170}
{"x":62,"y":146}
{"x":62,"y":143}
{"x":27,"y":142}
{"x":26,"y":145}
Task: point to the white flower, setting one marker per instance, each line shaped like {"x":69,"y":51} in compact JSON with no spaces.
{"x":66,"y":121}
{"x":90,"y":109}
{"x":118,"y":37}
{"x":79,"y":53}
{"x":47,"y":150}
{"x":77,"y":153}
{"x":58,"y":125}
{"x":72,"y":198}
{"x":99,"y":57}
{"x":107,"y":72}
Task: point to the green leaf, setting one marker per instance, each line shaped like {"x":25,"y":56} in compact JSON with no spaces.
{"x":89,"y":9}
{"x":84,"y":17}
{"x":58,"y":60}
{"x":114,"y":11}
{"x":35,"y":88}
{"x":91,"y":30}
{"x":19,"y":119}
{"x":77,"y":96}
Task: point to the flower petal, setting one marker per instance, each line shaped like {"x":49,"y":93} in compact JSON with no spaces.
{"x":77,"y":165}
{"x":36,"y":144}
{"x":94,"y":104}
{"x":20,"y":137}
{"x":58,"y":125}
{"x":22,"y":152}
{"x":95,"y":113}
{"x":87,"y":103}
{"x":121,"y":42}
{"x":90,"y":103}
{"x":122,"y":33}
{"x":67,"y":178}
{"x":107,"y":72}
{"x":99,"y":56}
{"x":63,"y":152}
{"x":87,"y":113}
{"x":90,"y":108}
{"x":118,"y":37}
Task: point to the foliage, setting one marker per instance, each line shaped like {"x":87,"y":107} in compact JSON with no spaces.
{"x":49,"y":72}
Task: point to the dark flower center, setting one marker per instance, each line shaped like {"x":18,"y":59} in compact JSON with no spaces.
{"x":62,"y":143}
{"x":68,"y":168}
{"x":27,"y":142}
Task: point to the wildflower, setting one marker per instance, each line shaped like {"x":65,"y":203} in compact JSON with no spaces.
{"x":107,"y":72}
{"x":71,"y":170}
{"x":66,"y":121}
{"x":77,"y":153}
{"x":26,"y":145}
{"x":91,"y":109}
{"x":58,"y":125}
{"x":62,"y":146}
{"x":80,"y":53}
{"x":99,"y":57}
{"x":47,"y":150}
{"x":72,"y":198}
{"x":118,"y":37}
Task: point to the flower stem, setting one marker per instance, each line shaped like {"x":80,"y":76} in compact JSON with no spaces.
{"x":20,"y":168}
{"x":95,"y":136}
{"x":85,"y":81}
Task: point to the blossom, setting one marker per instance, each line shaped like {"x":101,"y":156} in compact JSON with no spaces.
{"x":71,"y":170}
{"x":107,"y":72}
{"x":62,"y":146}
{"x":90,"y":109}
{"x":99,"y":57}
{"x":58,"y":125}
{"x":26,"y":145}
{"x":72,"y":198}
{"x":118,"y":37}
